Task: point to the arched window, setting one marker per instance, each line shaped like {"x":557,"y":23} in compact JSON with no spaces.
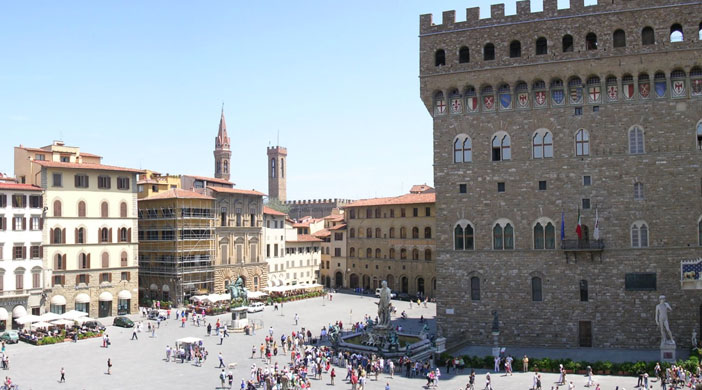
{"x":489,"y":52}
{"x":503,"y":236}
{"x":440,"y":58}
{"x":541,"y":46}
{"x":282,"y":167}
{"x":83,"y":261}
{"x":123,"y":259}
{"x":501,"y":147}
{"x":638,"y":191}
{"x":462,"y":149}
{"x":463,"y":55}
{"x":403,"y":232}
{"x":515,"y":49}
{"x":591,"y":41}
{"x":542,"y":144}
{"x":582,"y":143}
{"x":415,"y":254}
{"x":427,"y":254}
{"x":104,"y":235}
{"x":427,"y":232}
{"x":415,"y":232}
{"x":544,"y":235}
{"x":636,"y":140}
{"x":676,"y":33}
{"x":352,"y":252}
{"x":392,"y":253}
{"x":474,"y":288}
{"x":538,"y":236}
{"x":619,"y":38}
{"x":225,"y":166}
{"x":377,"y":233}
{"x":369,"y":253}
{"x":403,"y":254}
{"x":105,"y":260}
{"x":123,"y":210}
{"x":647,"y":36}
{"x":377,"y":212}
{"x":57,"y":208}
{"x":567,"y":43}
{"x":352,"y":233}
{"x":81,"y":209}
{"x":58,"y":236}
{"x":463,"y":236}
{"x":639,"y":235}
{"x":59,"y":262}
{"x":273,"y":170}
{"x":369,"y":233}
{"x":103,"y":210}
{"x":377,"y":253}
{"x":536,"y":295}
{"x":391,"y":232}
{"x":123,"y":236}
{"x":699,"y":135}
{"x":699,"y":32}
{"x":80,"y":236}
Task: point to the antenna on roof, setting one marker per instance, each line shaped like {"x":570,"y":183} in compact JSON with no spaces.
{"x":277,"y":139}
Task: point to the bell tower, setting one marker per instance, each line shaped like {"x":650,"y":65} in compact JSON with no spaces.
{"x":277,"y":170}
{"x":222,"y":153}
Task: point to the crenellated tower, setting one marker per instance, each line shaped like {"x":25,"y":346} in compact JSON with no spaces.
{"x":276,"y":172}
{"x":222,"y":153}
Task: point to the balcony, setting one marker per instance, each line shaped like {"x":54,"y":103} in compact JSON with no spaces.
{"x":590,"y":247}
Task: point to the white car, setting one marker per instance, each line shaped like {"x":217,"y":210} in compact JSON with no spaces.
{"x":254,"y":307}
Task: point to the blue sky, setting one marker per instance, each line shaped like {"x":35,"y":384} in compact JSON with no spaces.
{"x":142,"y":83}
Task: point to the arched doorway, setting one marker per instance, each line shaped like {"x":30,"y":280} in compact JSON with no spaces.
{"x":339,"y":280}
{"x":391,"y":282}
{"x":366,"y":282}
{"x":405,"y":284}
{"x":376,"y":283}
{"x":353,"y":281}
{"x":420,"y":286}
{"x":327,"y":282}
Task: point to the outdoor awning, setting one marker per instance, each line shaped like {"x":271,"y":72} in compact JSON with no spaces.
{"x":4,"y":315}
{"x":19,"y":311}
{"x":58,"y":300}
{"x":82,"y":298}
{"x":165,"y":288}
{"x":105,"y":297}
{"x":124,"y":294}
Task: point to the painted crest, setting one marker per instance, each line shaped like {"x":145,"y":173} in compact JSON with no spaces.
{"x":557,"y":96}
{"x":489,"y":102}
{"x":612,"y":93}
{"x":540,"y":98}
{"x":456,"y":106}
{"x":645,"y":90}
{"x":661,"y":87}
{"x":629,"y":91}
{"x":679,"y":87}
{"x":440,"y":108}
{"x":576,"y":95}
{"x":506,"y":101}
{"x":594,"y":94}
{"x":523,"y":100}
{"x":472,"y":103}
{"x":696,"y":87}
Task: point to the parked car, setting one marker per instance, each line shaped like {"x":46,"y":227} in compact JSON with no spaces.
{"x":157,"y":314}
{"x":10,"y":337}
{"x":97,"y":325}
{"x":123,"y":322}
{"x":403,"y":296}
{"x":255,"y":306}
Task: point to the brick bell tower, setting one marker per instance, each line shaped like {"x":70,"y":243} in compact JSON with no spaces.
{"x":276,"y":172}
{"x":222,"y":154}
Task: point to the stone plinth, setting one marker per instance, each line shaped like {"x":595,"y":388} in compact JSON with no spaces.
{"x":668,"y":353}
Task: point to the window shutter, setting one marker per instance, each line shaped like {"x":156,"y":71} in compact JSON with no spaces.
{"x":64,"y":262}
{"x":76,"y":235}
{"x":109,"y":277}
{"x":129,"y":276}
{"x":63,"y":236}
{"x":24,"y":252}
{"x":88,"y":261}
{"x":109,"y":237}
{"x":87,"y":279}
{"x":24,"y":223}
{"x":129,"y":235}
{"x":14,"y":224}
{"x":41,"y":223}
{"x":51,"y":236}
{"x":77,"y":279}
{"x":4,"y":223}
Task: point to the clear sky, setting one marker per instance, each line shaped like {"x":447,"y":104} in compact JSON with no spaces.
{"x":142,"y":83}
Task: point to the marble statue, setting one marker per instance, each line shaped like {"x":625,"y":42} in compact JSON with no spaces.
{"x":662,"y":310}
{"x":384,"y":306}
{"x":694,"y":338}
{"x":495,"y":322}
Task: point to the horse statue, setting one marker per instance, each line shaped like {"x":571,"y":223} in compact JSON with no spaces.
{"x":238,"y":291}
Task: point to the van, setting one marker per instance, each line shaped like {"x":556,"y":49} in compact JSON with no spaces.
{"x":255,"y":306}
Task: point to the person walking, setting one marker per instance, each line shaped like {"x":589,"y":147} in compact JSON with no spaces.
{"x":222,"y":378}
{"x":332,"y":375}
{"x":109,"y":366}
{"x":297,"y":318}
{"x":63,"y":376}
{"x":221,"y":361}
{"x":221,"y":337}
{"x":134,"y":333}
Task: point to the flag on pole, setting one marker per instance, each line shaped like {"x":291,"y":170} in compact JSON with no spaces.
{"x":579,"y":227}
{"x":562,"y":227}
{"x":596,"y":233}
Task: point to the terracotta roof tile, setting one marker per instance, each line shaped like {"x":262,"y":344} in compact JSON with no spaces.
{"x":177,"y":193}
{"x":212,"y":179}
{"x":270,"y":211}
{"x":236,"y":191}
{"x":306,"y":238}
{"x":338,"y":227}
{"x":402,"y":199}
{"x":19,"y":187}
{"x":96,"y":167}
{"x":322,"y":233}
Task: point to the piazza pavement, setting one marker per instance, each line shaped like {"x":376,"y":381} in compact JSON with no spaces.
{"x":140,"y":364}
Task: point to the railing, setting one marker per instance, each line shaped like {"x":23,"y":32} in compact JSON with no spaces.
{"x":582,"y":245}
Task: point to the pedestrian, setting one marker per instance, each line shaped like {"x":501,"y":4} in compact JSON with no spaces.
{"x":497,"y":364}
{"x":168,"y":353}
{"x":221,"y":361}
{"x":222,"y":378}
{"x":134,"y":333}
{"x":109,"y":366}
{"x":63,"y":376}
{"x":387,"y":385}
{"x":209,"y":329}
{"x":153,"y":332}
{"x":332,"y":375}
{"x":297,"y":318}
{"x":253,"y":352}
{"x":525,"y":364}
{"x":221,"y":337}
{"x":182,"y":321}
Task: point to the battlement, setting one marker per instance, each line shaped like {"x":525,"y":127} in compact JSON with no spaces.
{"x":335,"y":201}
{"x":524,"y":13}
{"x":283,"y":151}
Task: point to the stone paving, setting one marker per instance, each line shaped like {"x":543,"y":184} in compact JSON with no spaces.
{"x":140,"y":364}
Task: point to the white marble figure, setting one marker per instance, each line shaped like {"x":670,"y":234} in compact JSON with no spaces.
{"x":662,"y":310}
{"x":384,"y":306}
{"x":694,"y":338}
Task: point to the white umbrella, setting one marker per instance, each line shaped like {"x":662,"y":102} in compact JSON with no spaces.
{"x":27,"y":319}
{"x":73,"y":314}
{"x":83,"y":320}
{"x":41,"y":324}
{"x":49,"y":317}
{"x":63,"y":322}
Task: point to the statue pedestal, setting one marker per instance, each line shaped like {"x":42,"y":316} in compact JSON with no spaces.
{"x":668,"y":353}
{"x":495,"y":344}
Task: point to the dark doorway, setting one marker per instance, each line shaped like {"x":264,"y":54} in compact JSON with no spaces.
{"x":353,"y":281}
{"x":391,"y":282}
{"x":339,"y":280}
{"x":105,"y":309}
{"x":366,"y":282}
{"x":585,"y":334}
{"x":405,"y":285}
{"x":327,"y":282}
{"x":420,"y":286}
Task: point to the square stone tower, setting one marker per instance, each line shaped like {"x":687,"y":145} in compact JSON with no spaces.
{"x":276,"y":172}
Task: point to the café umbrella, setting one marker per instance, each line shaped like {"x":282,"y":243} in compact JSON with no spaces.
{"x":29,"y":318}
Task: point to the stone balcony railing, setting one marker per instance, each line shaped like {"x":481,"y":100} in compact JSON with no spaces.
{"x":582,"y":245}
